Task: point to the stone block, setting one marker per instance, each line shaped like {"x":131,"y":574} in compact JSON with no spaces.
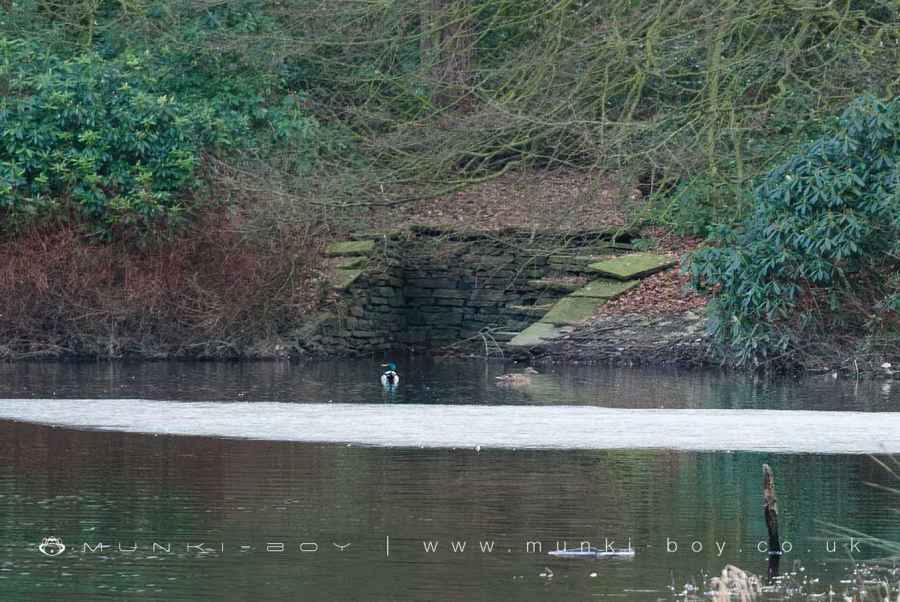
{"x":488,"y":295}
{"x":431,"y":282}
{"x":636,"y":265}
{"x":534,"y":311}
{"x":572,"y":310}
{"x":342,"y":279}
{"x":483,"y":303}
{"x":351,"y":263}
{"x":350,"y":248}
{"x":605,"y":289}
{"x":417,"y":291}
{"x":443,"y":318}
{"x":537,"y":334}
{"x":554,"y":285}
{"x":450,"y":293}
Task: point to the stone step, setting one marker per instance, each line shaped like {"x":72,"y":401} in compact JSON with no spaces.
{"x":555,"y":285}
{"x":504,"y":336}
{"x":350,"y":248}
{"x":605,"y":289}
{"x":635,"y":265}
{"x":533,"y":311}
{"x":618,"y":246}
{"x":518,"y":324}
{"x":539,"y":333}
{"x":572,"y":310}
{"x":341,"y":279}
{"x":571,"y":264}
{"x":349,"y":263}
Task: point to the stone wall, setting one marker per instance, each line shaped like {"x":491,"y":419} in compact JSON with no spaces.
{"x":456,"y":289}
{"x":423,"y":290}
{"x":370,"y":312}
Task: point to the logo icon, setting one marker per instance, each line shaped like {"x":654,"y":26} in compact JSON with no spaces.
{"x":52,"y":546}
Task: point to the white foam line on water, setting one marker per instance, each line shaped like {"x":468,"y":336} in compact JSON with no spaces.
{"x":540,"y":427}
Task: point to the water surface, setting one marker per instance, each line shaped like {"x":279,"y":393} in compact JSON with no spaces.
{"x":242,"y":499}
{"x":444,"y":382}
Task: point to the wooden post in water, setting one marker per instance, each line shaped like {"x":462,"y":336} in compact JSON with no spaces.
{"x":771,"y":513}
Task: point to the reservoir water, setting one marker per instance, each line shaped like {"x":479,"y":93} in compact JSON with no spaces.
{"x":276,"y":481}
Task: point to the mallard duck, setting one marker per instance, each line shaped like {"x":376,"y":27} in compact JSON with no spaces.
{"x":517,"y":378}
{"x":390,"y":378}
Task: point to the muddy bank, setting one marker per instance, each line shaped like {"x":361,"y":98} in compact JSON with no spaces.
{"x":683,"y":340}
{"x":634,"y":339}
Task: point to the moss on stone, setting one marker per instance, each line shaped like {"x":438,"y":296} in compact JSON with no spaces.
{"x":536,"y":334}
{"x":392,"y":234}
{"x":636,"y":265}
{"x":350,"y":248}
{"x":572,"y":310}
{"x":351,"y":263}
{"x":535,"y":311}
{"x":554,"y":285}
{"x":341,"y":279}
{"x":605,"y":289}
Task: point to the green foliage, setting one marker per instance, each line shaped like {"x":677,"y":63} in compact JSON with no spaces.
{"x":698,"y":204}
{"x":705,"y":93}
{"x":99,"y":137}
{"x":116,"y":137}
{"x":820,"y":245}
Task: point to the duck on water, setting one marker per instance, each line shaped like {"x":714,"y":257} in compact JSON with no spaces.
{"x":517,"y":378}
{"x":390,"y":378}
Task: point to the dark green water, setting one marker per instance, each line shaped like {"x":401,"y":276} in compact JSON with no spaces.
{"x":126,"y":490}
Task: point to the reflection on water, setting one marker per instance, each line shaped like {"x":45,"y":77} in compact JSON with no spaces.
{"x":92,"y":487}
{"x":440,"y":381}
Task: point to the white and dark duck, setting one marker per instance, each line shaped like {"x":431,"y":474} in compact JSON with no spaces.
{"x":390,"y":378}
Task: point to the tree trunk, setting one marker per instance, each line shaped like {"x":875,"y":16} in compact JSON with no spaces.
{"x":446,"y":49}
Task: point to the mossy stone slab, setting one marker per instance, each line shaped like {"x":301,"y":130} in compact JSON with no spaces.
{"x":535,"y":311}
{"x":351,"y":263}
{"x":635,"y":265}
{"x":537,"y":334}
{"x":379,"y":234}
{"x":619,"y":246}
{"x":350,"y":248}
{"x":341,"y":279}
{"x":573,"y":260}
{"x":605,"y":289}
{"x":554,"y":285}
{"x":572,"y":310}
